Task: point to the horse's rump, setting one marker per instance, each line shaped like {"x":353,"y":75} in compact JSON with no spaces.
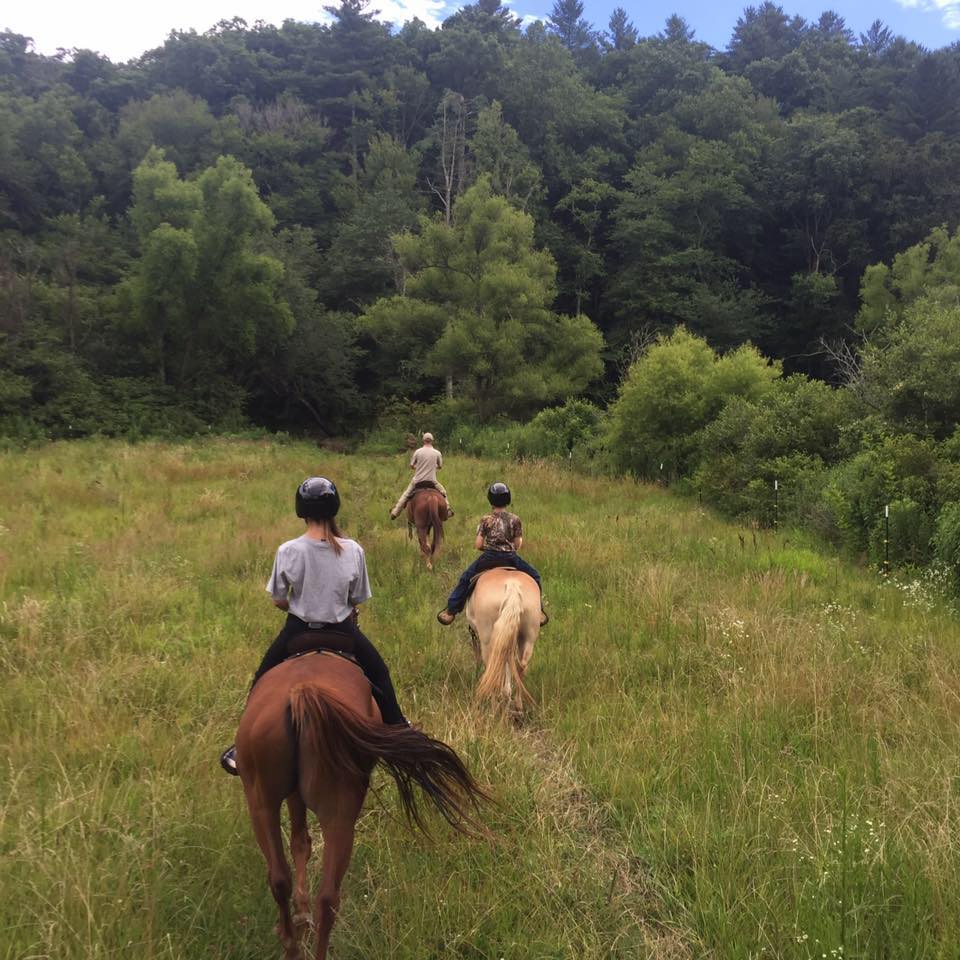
{"x":427,"y":510}
{"x":310,"y":734}
{"x":504,"y":613}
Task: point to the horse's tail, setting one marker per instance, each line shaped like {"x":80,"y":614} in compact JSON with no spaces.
{"x":335,"y":738}
{"x":503,"y":667}
{"x":436,"y":522}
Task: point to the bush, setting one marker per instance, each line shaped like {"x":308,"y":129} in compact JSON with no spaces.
{"x":946,"y":541}
{"x":674,"y":390}
{"x":571,"y":431}
{"x":789,"y":437}
{"x":899,"y":471}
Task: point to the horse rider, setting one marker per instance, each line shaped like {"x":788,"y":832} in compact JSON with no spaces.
{"x":500,"y":537}
{"x":318,"y":579}
{"x":425,"y":463}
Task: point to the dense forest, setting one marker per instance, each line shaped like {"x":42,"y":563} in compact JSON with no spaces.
{"x":210,"y":225}
{"x":664,"y":253}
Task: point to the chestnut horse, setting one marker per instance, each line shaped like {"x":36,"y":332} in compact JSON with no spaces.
{"x":426,"y":510}
{"x":504,"y":617}
{"x":311,"y":734}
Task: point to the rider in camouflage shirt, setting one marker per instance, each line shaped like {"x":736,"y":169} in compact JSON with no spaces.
{"x":499,"y":536}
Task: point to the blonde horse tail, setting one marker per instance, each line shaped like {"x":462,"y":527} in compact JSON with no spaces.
{"x":503,"y":668}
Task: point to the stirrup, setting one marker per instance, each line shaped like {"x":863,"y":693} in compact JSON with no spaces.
{"x":228,"y":760}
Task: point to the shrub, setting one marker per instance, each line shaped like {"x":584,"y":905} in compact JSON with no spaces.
{"x":671,"y":392}
{"x":899,"y":471}
{"x":946,"y":541}
{"x":789,"y":437}
{"x":575,"y":428}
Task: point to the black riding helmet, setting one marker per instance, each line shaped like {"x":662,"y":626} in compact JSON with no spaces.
{"x":498,"y":494}
{"x":317,"y":499}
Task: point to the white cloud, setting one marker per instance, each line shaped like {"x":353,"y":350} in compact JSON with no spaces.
{"x":431,"y":12}
{"x":949,"y":10}
{"x":122,"y":31}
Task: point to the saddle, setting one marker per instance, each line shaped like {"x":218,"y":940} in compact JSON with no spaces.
{"x":349,"y":657}
{"x":477,"y":576}
{"x":328,"y":639}
{"x":424,"y":485}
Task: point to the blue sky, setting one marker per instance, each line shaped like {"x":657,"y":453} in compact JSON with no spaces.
{"x":121,"y":30}
{"x":925,"y":21}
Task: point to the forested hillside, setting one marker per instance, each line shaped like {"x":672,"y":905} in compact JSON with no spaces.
{"x":293,"y":225}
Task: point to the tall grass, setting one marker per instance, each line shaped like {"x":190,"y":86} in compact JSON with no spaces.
{"x":743,"y":747}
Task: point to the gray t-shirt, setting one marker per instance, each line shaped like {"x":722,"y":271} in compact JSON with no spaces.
{"x":321,"y":587}
{"x":426,"y":461}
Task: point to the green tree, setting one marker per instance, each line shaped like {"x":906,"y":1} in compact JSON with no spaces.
{"x":201,"y":293}
{"x":912,"y":374}
{"x":790,"y":435}
{"x":359,"y":266}
{"x":929,"y":269}
{"x":475,"y":310}
{"x":576,"y":34}
{"x":673,"y":391}
{"x":498,"y":153}
{"x":621,"y":33}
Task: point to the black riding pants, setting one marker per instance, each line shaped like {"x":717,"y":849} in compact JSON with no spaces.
{"x":362,"y":649}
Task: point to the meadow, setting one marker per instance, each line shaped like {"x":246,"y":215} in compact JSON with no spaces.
{"x":743,"y":746}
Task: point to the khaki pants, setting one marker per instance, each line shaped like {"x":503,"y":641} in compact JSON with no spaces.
{"x":409,"y":492}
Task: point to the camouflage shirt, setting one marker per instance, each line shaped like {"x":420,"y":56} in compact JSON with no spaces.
{"x":499,"y":530}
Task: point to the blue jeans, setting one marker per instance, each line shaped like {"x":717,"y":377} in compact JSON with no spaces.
{"x":487,"y":561}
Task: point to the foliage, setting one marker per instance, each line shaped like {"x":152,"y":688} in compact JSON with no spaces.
{"x":741,"y":192}
{"x":673,"y":391}
{"x":946,"y":540}
{"x":475,"y":309}
{"x":912,"y":374}
{"x":203,"y":296}
{"x":790,"y":435}
{"x":899,"y":472}
{"x":929,"y":270}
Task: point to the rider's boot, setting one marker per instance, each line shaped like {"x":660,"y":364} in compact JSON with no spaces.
{"x":228,"y":760}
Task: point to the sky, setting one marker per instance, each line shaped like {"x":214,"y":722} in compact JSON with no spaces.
{"x":121,"y":30}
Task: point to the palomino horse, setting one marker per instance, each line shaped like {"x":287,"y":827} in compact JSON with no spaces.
{"x":426,"y":510}
{"x":504,"y":616}
{"x":311,"y":734}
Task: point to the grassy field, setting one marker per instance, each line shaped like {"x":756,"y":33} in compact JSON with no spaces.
{"x":743,"y":747}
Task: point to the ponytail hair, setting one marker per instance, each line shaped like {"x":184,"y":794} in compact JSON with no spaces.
{"x":334,"y":533}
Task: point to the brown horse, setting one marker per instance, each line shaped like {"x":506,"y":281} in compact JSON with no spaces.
{"x":504,"y":617}
{"x":311,"y":734}
{"x":426,"y":510}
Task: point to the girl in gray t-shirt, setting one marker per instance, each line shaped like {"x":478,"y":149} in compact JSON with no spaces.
{"x":319,"y":579}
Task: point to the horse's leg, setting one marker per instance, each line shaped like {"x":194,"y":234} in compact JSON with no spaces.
{"x":337,"y":851}
{"x":300,"y":847}
{"x":525,"y":644}
{"x":424,"y":546}
{"x":475,"y":644}
{"x":266,"y":828}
